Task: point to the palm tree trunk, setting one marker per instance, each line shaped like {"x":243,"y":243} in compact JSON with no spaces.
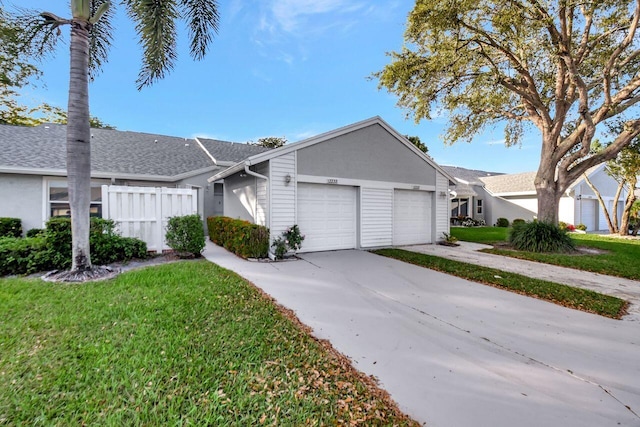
{"x":612,"y":229}
{"x":78,"y":145}
{"x":626,"y":214}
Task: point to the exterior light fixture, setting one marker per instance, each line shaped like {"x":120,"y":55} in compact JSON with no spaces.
{"x":287,"y":178}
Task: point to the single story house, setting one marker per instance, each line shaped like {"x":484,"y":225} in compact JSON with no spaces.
{"x":33,"y":168}
{"x":489,"y":196}
{"x":360,"y":186}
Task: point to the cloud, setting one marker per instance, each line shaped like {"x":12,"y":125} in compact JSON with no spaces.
{"x":304,"y":135}
{"x":495,"y":142}
{"x":291,"y":15}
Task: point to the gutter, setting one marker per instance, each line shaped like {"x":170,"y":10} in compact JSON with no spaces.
{"x":252,"y":173}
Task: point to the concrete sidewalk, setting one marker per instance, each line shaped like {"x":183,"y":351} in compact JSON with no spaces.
{"x":468,"y":252}
{"x":453,"y":352}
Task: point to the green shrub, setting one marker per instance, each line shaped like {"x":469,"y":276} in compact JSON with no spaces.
{"x":185,"y":234}
{"x":502,"y":222}
{"x":517,"y":221}
{"x":10,"y":227}
{"x":35,"y":232}
{"x":291,"y":240}
{"x":562,"y":225}
{"x":240,"y":237}
{"x":581,"y":227}
{"x":540,"y":237}
{"x":23,"y":256}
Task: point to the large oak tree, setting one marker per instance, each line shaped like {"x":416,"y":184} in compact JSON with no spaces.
{"x":91,"y":35}
{"x":567,"y":67}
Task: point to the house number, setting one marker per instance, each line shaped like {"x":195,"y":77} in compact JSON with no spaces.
{"x":332,"y":181}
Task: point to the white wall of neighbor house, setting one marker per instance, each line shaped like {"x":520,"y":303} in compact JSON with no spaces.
{"x":511,"y":208}
{"x":569,"y":210}
{"x":22,"y":198}
{"x":262,"y":194}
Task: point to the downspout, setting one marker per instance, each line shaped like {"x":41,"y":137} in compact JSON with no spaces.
{"x":252,"y":173}
{"x":257,"y":175}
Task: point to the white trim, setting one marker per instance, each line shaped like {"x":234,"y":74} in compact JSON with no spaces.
{"x":109,"y":175}
{"x":513,"y":193}
{"x":312,"y":179}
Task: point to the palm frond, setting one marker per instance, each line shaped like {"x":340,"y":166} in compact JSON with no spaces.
{"x":41,"y":30}
{"x":156,"y":27}
{"x":100,"y":38}
{"x":203,"y":19}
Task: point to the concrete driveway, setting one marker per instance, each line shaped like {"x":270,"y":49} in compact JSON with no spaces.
{"x":457,"y":353}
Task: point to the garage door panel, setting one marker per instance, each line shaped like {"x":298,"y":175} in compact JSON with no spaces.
{"x":327,"y":217}
{"x":411,"y":217}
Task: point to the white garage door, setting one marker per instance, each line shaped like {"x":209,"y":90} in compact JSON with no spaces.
{"x":588,"y":212}
{"x":411,"y":217}
{"x":327,"y":217}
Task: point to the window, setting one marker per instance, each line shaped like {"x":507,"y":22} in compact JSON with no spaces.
{"x":479,"y":207}
{"x":59,"y":199}
{"x":459,"y":207}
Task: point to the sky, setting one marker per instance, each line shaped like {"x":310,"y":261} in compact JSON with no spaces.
{"x":289,"y":68}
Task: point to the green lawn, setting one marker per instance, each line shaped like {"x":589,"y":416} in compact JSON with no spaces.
{"x":580,"y":299}
{"x":180,"y":344}
{"x":621,"y":257}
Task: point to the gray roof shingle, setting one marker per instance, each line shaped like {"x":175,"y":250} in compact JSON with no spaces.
{"x":470,"y":176}
{"x":115,"y":152}
{"x":231,"y":151}
{"x":512,"y":183}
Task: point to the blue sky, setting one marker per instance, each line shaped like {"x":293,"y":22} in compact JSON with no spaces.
{"x":292,"y":68}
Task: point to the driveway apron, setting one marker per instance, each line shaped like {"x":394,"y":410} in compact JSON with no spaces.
{"x":456,"y":353}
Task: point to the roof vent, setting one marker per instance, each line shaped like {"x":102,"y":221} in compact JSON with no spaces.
{"x":155,"y":141}
{"x":186,"y":144}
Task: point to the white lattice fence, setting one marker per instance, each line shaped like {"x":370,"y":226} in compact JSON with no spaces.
{"x":143,"y":212}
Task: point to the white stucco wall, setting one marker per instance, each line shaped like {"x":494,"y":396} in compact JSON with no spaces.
{"x":22,"y":198}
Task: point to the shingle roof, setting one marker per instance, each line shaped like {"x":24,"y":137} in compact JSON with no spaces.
{"x":231,"y":151}
{"x":469,"y":175}
{"x":466,"y":178}
{"x":114,"y":152}
{"x":512,"y":183}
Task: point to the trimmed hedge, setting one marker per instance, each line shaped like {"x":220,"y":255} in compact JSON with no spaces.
{"x":23,"y":256}
{"x":10,"y":227}
{"x":502,"y":222}
{"x":240,"y":237}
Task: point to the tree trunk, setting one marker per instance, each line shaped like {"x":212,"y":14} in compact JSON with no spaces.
{"x":612,"y":229}
{"x":626,"y":214}
{"x":78,"y":145}
{"x":548,"y":194}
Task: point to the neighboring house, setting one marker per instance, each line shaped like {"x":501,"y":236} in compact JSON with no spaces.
{"x":360,"y":186}
{"x":33,"y":168}
{"x":469,"y":197}
{"x":514,"y":196}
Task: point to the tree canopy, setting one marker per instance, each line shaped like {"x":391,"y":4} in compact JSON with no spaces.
{"x":271,"y":141}
{"x":415,"y":140}
{"x":565,"y":67}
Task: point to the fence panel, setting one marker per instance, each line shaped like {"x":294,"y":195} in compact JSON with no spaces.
{"x":143,"y":212}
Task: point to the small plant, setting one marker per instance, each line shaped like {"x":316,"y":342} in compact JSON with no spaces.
{"x":540,"y":237}
{"x":517,"y":221}
{"x":449,"y":240}
{"x":291,"y":240}
{"x":469,"y":222}
{"x":185,"y":234}
{"x":502,"y":222}
{"x":581,"y":227}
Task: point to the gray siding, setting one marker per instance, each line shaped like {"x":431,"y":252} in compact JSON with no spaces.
{"x":240,"y":197}
{"x":282,"y":199}
{"x":22,"y":198}
{"x":370,"y":153}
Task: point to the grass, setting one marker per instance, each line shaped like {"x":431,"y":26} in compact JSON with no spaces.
{"x":180,"y":344}
{"x":580,"y":299}
{"x":486,"y":235}
{"x":620,"y":258}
